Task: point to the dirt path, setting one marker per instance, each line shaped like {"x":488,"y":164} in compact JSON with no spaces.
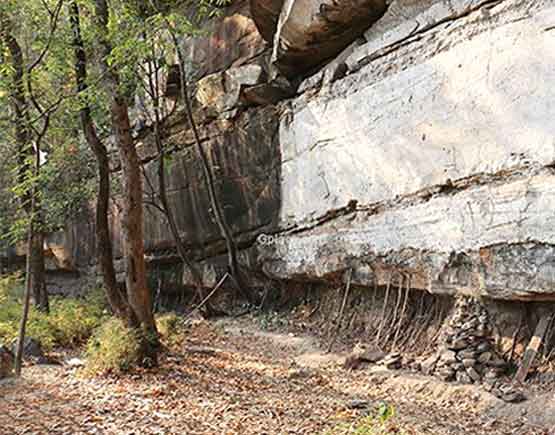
{"x":230,"y":377}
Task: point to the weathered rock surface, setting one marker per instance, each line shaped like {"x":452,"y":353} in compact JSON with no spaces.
{"x":266,"y":15}
{"x":245,"y":156}
{"x":476,"y":241}
{"x":230,"y":40}
{"x":424,"y":115}
{"x":455,"y":110}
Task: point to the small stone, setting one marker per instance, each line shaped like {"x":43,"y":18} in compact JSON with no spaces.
{"x":458,"y":344}
{"x":508,"y":393}
{"x":490,"y":376}
{"x":472,"y":324}
{"x":513,"y":397}
{"x":416,"y":366}
{"x":392,"y":362}
{"x":469,"y":362}
{"x":466,"y":354}
{"x":301,"y":373}
{"x":497,"y":363}
{"x":446,"y":374}
{"x":474,"y":375}
{"x":358,"y":404}
{"x":75,"y":362}
{"x":448,"y":357}
{"x":463,"y":378}
{"x":483,"y":347}
{"x":429,"y":364}
{"x":484,"y":357}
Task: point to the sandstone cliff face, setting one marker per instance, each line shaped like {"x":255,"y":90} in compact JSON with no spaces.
{"x":440,"y":131}
{"x":425,"y":146}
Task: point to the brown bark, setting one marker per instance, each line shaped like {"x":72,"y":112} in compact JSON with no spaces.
{"x":138,"y":293}
{"x":26,"y":303}
{"x":40,"y":294}
{"x":104,"y":251}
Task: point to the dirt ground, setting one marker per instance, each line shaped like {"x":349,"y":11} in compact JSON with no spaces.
{"x":233,"y":377}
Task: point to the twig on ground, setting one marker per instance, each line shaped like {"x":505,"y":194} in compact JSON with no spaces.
{"x":205,"y":300}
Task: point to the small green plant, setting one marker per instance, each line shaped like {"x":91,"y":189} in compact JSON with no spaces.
{"x":113,"y":348}
{"x":379,"y":424}
{"x":272,"y":320}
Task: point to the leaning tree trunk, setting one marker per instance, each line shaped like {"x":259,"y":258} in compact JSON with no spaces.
{"x":217,"y":210}
{"x":154,"y":90}
{"x":104,"y":252}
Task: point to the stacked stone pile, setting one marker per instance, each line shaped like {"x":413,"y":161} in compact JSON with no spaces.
{"x":467,"y":354}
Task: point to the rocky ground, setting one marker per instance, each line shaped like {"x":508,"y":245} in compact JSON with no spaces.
{"x":235,"y":377}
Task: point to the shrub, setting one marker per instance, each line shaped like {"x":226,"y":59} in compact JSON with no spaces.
{"x":70,"y":322}
{"x":169,"y":326}
{"x":113,"y":347}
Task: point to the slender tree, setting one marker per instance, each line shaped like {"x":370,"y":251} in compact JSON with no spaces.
{"x":104,"y":249}
{"x":138,"y":293}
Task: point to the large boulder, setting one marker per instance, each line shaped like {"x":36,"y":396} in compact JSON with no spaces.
{"x":266,"y":14}
{"x":309,"y":32}
{"x":6,"y":362}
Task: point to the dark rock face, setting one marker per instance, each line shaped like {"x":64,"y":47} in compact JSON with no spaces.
{"x":245,"y":156}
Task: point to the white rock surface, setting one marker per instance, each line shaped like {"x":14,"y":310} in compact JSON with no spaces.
{"x":482,"y":106}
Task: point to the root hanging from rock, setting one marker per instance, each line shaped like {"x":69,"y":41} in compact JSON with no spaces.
{"x":403,"y":310}
{"x":382,"y":320}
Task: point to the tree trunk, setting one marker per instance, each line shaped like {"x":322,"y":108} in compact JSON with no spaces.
{"x":104,"y":252}
{"x":23,"y":139}
{"x":26,"y":303}
{"x":225,"y":230}
{"x":154,"y":89}
{"x":40,"y":294}
{"x":138,"y":293}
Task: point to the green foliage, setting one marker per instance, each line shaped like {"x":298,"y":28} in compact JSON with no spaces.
{"x":113,"y":348}
{"x":170,"y":327}
{"x":70,"y":322}
{"x":379,"y":424}
{"x":272,"y":320}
